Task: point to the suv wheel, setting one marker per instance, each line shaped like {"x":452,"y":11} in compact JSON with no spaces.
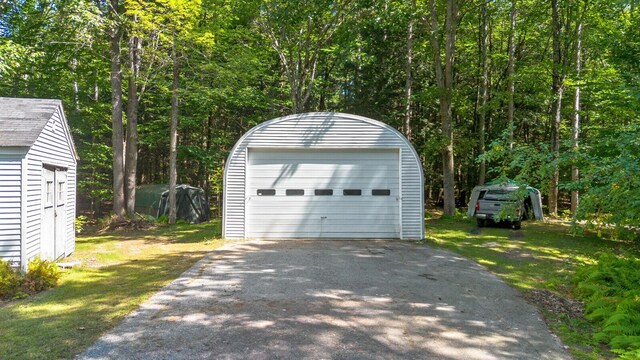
{"x":516,"y":225}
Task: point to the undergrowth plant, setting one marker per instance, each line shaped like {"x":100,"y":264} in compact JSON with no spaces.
{"x":10,"y":280}
{"x":611,"y":291}
{"x":40,"y":275}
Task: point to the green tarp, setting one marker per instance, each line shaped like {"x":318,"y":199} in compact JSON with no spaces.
{"x":191,"y":203}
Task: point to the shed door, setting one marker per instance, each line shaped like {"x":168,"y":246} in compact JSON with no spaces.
{"x":323,"y":193}
{"x":48,"y":234}
{"x":61,"y":212}
{"x":53,"y":236}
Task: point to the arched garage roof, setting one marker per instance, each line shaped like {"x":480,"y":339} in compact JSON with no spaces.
{"x":323,"y":175}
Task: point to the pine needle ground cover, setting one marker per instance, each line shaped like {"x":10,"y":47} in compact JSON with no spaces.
{"x":549,"y":266}
{"x":119,"y":271}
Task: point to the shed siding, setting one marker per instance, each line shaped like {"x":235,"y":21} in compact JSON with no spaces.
{"x":51,"y":147}
{"x":10,"y":192}
{"x":324,"y":131}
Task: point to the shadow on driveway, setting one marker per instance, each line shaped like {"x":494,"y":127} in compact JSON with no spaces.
{"x":332,"y":299}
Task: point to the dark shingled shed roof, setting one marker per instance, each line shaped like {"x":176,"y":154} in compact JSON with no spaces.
{"x":22,"y":120}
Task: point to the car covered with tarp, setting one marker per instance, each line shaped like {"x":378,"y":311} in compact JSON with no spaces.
{"x":505,"y":201}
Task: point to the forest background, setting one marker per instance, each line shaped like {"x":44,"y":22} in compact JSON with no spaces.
{"x":157,"y":91}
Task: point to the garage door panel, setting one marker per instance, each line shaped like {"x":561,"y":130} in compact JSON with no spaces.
{"x":323,"y":216}
{"x":305,"y":170}
{"x":280,"y":177}
{"x":311,"y":184}
{"x":316,"y":231}
{"x":336,"y":219}
{"x":324,"y":204}
{"x":328,"y":156}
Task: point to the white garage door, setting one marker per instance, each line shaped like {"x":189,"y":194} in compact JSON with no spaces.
{"x":323,"y":193}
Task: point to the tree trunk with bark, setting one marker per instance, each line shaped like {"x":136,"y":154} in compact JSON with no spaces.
{"x":484,"y":44}
{"x":173,"y":135}
{"x":408,"y":88}
{"x":575,"y":172}
{"x":511,"y":73}
{"x":557,"y":88}
{"x":117,"y":138}
{"x":131,"y":155}
{"x":444,"y":79}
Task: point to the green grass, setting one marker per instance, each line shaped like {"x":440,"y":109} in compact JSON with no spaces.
{"x":540,"y":257}
{"x":120,"y":270}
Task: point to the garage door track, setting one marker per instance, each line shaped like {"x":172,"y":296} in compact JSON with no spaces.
{"x":332,"y":300}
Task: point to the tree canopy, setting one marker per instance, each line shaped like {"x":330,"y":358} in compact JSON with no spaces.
{"x":543,"y":92}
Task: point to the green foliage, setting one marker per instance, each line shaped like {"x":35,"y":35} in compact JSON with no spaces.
{"x":41,"y":275}
{"x":530,"y":164}
{"x":545,"y":259}
{"x":232,"y":77}
{"x":121,"y":271}
{"x":611,"y":291}
{"x":10,"y":280}
{"x":459,"y":215}
{"x":611,"y":181}
{"x":80,"y":223}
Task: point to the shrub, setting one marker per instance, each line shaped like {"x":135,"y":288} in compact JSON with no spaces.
{"x":81,"y":222}
{"x":10,"y":280}
{"x":611,"y":291}
{"x":41,"y":275}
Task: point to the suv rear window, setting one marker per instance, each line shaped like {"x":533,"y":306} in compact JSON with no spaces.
{"x":499,"y":195}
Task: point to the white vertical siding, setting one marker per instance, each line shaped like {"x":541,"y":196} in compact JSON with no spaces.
{"x":10,"y":193}
{"x":324,"y":131}
{"x":52,"y":147}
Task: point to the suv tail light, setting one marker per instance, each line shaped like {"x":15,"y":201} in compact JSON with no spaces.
{"x":477,"y":205}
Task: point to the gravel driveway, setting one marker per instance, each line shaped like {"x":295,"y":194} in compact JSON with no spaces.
{"x":332,"y":300}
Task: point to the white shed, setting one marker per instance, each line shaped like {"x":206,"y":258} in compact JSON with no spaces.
{"x":323,"y":175}
{"x":37,"y":181}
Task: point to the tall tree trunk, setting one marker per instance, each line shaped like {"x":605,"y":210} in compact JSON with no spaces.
{"x":444,"y":79}
{"x":173,"y":135}
{"x":408,"y":88}
{"x":117,"y":137}
{"x":76,"y":90}
{"x":131,"y":156}
{"x":557,"y":88}
{"x":511,"y":73}
{"x":484,"y":44}
{"x":575,"y":172}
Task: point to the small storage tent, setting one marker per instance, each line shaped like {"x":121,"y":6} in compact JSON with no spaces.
{"x":191,"y":202}
{"x":533,"y":202}
{"x":37,"y":181}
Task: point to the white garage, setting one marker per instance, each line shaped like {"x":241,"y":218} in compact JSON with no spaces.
{"x":323,"y":175}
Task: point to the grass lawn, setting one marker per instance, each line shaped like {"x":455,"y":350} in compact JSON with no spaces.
{"x":540,"y":260}
{"x":120,"y":270}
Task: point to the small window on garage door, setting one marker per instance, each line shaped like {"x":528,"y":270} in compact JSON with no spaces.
{"x":380,"y":192}
{"x":351,"y":192}
{"x":323,"y":192}
{"x":294,"y":192}
{"x":266,"y":192}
